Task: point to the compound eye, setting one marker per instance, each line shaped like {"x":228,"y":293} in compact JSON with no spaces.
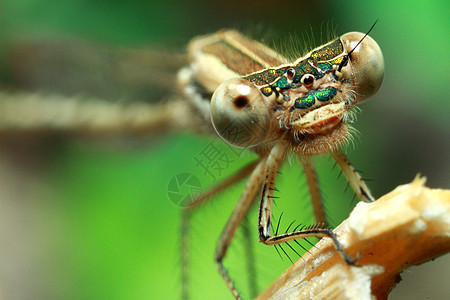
{"x":239,"y":113}
{"x":367,"y":64}
{"x":307,"y":80}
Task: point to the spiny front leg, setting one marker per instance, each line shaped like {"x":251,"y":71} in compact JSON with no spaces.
{"x":274,"y":162}
{"x":252,"y":187}
{"x":356,"y":182}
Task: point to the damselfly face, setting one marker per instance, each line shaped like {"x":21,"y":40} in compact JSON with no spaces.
{"x":307,"y":102}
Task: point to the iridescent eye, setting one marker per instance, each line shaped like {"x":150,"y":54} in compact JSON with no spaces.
{"x":307,"y":80}
{"x":290,"y":73}
{"x":239,"y":113}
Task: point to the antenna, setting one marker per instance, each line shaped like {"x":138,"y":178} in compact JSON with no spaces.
{"x":346,"y":57}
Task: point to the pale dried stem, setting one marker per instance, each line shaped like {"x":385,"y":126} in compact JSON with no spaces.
{"x":408,"y":226}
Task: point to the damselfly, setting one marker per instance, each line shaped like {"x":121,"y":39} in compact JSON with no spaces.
{"x":263,"y":102}
{"x":252,"y":97}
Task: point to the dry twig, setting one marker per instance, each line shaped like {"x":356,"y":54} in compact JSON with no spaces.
{"x":408,"y":226}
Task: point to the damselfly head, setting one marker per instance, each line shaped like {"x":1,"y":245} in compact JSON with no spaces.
{"x":239,"y":113}
{"x":307,"y":102}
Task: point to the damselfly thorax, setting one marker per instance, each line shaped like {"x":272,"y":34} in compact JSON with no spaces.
{"x":257,"y":99}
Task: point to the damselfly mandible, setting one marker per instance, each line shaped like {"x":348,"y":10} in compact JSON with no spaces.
{"x":252,"y":97}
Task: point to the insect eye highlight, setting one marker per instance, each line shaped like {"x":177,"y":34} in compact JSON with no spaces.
{"x":308,"y":80}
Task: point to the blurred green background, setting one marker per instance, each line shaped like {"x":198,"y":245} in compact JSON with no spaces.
{"x":93,"y":220}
